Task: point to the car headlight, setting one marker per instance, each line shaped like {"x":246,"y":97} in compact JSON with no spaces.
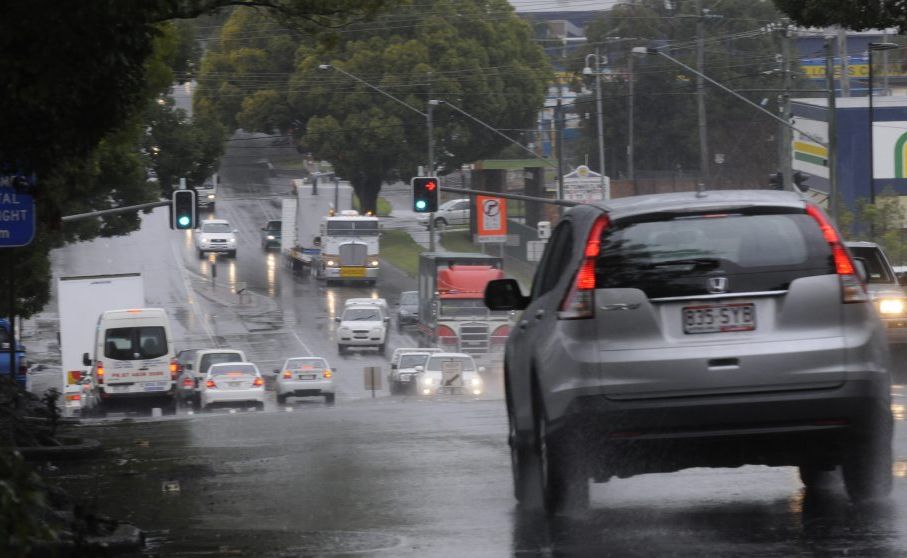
{"x":330,"y":263}
{"x":270,"y":237}
{"x":476,"y":382}
{"x":210,"y":196}
{"x":426,"y":381}
{"x":892,"y":306}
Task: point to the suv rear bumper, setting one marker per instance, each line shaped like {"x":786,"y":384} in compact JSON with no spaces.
{"x":625,"y":438}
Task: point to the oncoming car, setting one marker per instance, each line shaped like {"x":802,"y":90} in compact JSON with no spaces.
{"x":450,"y":373}
{"x":699,"y":329}
{"x":233,"y":383}
{"x":216,"y":235}
{"x":362,"y":325}
{"x":305,"y":377}
{"x":884,"y":289}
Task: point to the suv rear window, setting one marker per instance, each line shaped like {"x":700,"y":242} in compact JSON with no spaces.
{"x":135,"y":343}
{"x":217,"y":358}
{"x":672,"y":255}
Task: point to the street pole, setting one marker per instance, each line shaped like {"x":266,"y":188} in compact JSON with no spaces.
{"x":832,"y":129}
{"x":872,"y":186}
{"x":11,"y":286}
{"x":631,"y":164}
{"x":598,"y":108}
{"x":431,"y":170}
{"x":336,"y":194}
{"x":700,"y":97}
{"x":786,"y":135}
{"x":558,"y":138}
{"x":845,"y":62}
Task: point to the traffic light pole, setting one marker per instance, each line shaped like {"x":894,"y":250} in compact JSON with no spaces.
{"x":431,"y":169}
{"x":114,"y":211}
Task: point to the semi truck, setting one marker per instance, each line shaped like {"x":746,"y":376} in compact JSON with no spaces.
{"x":81,"y":300}
{"x":349,"y":248}
{"x":452,"y":311}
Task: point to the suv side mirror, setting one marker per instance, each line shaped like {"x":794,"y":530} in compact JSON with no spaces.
{"x":85,"y":360}
{"x":860,"y":265}
{"x":505,"y":294}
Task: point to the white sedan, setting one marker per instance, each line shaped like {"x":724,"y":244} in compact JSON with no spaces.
{"x":232,"y":383}
{"x":450,"y":373}
{"x":305,"y":377}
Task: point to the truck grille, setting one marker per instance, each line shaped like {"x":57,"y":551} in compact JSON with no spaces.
{"x":353,"y":254}
{"x":474,"y":338}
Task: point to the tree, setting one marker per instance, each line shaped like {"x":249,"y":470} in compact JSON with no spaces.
{"x":77,"y":77}
{"x":857,"y":15}
{"x":476,"y":54}
{"x":737,"y":53}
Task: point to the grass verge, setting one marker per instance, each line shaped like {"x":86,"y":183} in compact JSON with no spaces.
{"x":458,"y":241}
{"x":384,"y":206}
{"x":400,"y":250}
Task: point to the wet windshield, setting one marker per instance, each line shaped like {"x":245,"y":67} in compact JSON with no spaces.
{"x":361,"y":315}
{"x":436,"y":364}
{"x":411,"y":361}
{"x":877,"y":270}
{"x":232,"y":370}
{"x":135,"y":343}
{"x":306,"y":364}
{"x":216,"y":228}
{"x":217,"y":358}
{"x":409,"y":299}
{"x":352,"y":228}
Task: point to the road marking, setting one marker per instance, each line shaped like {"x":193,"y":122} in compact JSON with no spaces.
{"x":304,"y":346}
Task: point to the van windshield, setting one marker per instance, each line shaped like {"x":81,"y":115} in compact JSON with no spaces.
{"x":135,"y":343}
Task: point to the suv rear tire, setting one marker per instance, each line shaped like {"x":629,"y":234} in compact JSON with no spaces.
{"x":867,"y":464}
{"x":565,"y":486}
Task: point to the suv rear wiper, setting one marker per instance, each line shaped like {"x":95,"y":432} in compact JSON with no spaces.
{"x":710,"y":263}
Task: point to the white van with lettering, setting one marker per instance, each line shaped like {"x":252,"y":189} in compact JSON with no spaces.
{"x":133,"y":361}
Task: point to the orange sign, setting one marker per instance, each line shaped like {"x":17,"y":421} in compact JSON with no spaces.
{"x":492,"y":219}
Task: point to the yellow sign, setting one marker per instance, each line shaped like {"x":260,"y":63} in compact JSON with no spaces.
{"x":352,"y":272}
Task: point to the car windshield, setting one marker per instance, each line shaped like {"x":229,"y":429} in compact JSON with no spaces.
{"x":437,"y":364}
{"x":217,"y":358}
{"x":409,"y":298}
{"x":232,"y":370}
{"x":306,"y":364}
{"x":135,"y":343}
{"x":877,"y":270}
{"x":273,"y":226}
{"x":676,"y":256}
{"x":216,"y":228}
{"x":361,"y":315}
{"x":412,"y":360}
{"x":352,"y":228}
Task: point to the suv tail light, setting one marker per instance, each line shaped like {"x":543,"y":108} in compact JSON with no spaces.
{"x":187,"y":382}
{"x":99,"y":372}
{"x":852,"y":288}
{"x":579,"y":302}
{"x":258,"y":382}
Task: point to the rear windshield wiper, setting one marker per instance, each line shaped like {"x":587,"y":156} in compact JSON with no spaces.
{"x":708,"y":263}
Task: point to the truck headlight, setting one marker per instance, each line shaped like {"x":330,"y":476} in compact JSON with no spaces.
{"x":330,"y":263}
{"x":270,"y":237}
{"x":373,"y":263}
{"x":210,"y":196}
{"x":892,"y":306}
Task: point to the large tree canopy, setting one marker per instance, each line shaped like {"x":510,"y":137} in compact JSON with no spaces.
{"x":740,"y":52}
{"x":78,"y":78}
{"x":853,"y":14}
{"x":476,"y":54}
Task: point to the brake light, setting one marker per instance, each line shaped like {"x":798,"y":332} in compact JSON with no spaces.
{"x":579,"y":302}
{"x":852,"y":288}
{"x":258,"y":382}
{"x":327,"y":374}
{"x":287,"y":374}
{"x":175,"y":369}
{"x":99,"y":372}
{"x":210,"y":384}
{"x":187,"y":382}
{"x":74,"y":397}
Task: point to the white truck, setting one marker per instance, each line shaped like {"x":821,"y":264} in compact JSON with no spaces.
{"x":81,"y":300}
{"x":207,"y":192}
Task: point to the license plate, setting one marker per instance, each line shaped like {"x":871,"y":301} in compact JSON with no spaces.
{"x":719,"y":318}
{"x":156,"y":386}
{"x":352,"y":272}
{"x":307,"y":376}
{"x":234,"y":384}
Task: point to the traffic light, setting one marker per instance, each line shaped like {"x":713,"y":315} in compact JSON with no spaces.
{"x":183,"y":210}
{"x":425,"y":194}
{"x":800,"y":180}
{"x":776,"y":181}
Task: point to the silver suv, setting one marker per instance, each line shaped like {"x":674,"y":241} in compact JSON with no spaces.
{"x":715,"y":329}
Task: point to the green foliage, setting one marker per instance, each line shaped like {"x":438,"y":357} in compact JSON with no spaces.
{"x":665,"y":116}
{"x":24,"y":506}
{"x":180,"y":147}
{"x":853,"y":14}
{"x":476,"y":54}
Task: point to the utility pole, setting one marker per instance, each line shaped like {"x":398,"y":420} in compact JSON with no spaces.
{"x":786,"y":170}
{"x":884,"y":66}
{"x":832,"y":129}
{"x":845,"y":61}
{"x":558,"y":138}
{"x":700,"y":96}
{"x":631,"y":165}
{"x":431,"y":160}
{"x":598,"y":107}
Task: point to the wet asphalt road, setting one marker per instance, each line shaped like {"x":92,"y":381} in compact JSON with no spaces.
{"x":391,"y":476}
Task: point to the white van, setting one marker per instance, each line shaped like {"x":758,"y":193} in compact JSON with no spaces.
{"x":133,"y":360}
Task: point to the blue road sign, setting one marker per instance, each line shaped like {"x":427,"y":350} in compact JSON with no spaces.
{"x":17,"y":218}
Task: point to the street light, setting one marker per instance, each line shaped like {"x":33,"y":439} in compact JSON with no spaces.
{"x":587,"y":71}
{"x":872,"y":48}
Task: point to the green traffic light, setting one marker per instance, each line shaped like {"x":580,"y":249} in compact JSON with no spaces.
{"x":420,"y":205}
{"x":183,"y":221}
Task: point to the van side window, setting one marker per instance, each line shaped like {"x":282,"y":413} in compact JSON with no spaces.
{"x":135,"y":343}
